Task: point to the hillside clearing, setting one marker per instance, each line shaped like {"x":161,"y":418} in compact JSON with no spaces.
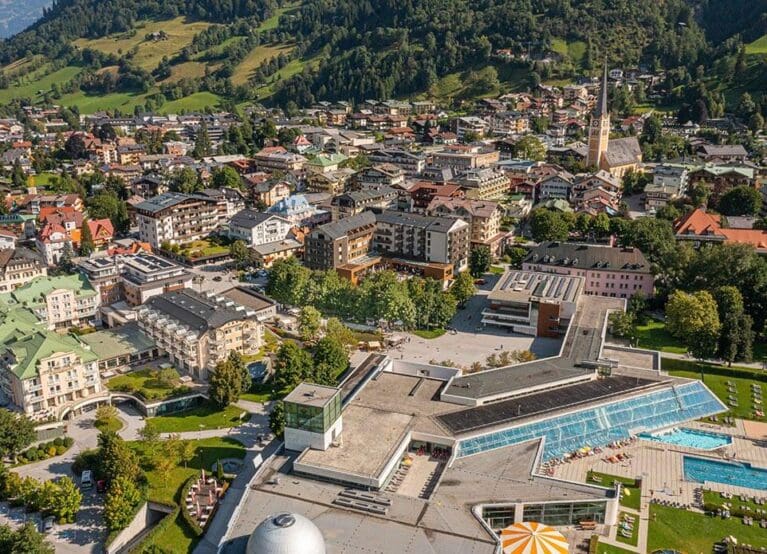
{"x":31,"y":88}
{"x":244,"y":70}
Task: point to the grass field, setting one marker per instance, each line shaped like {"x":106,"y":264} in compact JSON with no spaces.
{"x":603,"y":548}
{"x":186,"y":70}
{"x":207,"y":415}
{"x":144,"y":382}
{"x":429,"y":333}
{"x":193,"y":102}
{"x":87,"y":104}
{"x":167,"y":488}
{"x":180,"y":33}
{"x":634,"y":533}
{"x":759,"y":46}
{"x":31,"y":89}
{"x":716,"y":377}
{"x":655,"y":337}
{"x":691,"y":532}
{"x":574,"y":50}
{"x":244,"y":70}
{"x":271,"y":23}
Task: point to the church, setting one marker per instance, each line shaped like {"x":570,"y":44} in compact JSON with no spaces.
{"x":616,"y":156}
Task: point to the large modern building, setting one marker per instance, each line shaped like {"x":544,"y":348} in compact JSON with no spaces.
{"x":412,"y":457}
{"x":538,"y":304}
{"x":147,"y":275}
{"x":342,"y":242}
{"x":607,"y":271}
{"x":177,"y":218}
{"x":483,"y":217}
{"x":197,"y":331}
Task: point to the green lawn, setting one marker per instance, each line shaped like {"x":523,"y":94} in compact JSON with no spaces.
{"x":429,"y":333}
{"x":194,"y":102}
{"x":167,"y":488}
{"x":603,"y":548}
{"x":759,"y":46}
{"x":634,"y":538}
{"x":497,"y":269}
{"x":113,"y":424}
{"x":263,"y":393}
{"x":146,"y":383}
{"x":87,"y":104}
{"x":203,"y":249}
{"x":716,"y":377}
{"x":713,"y":497}
{"x":208,"y":415}
{"x":693,"y":533}
{"x":631,"y":495}
{"x":655,"y":337}
{"x":31,"y":88}
{"x":272,"y":22}
{"x":244,"y":70}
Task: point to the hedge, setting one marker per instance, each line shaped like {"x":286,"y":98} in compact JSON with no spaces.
{"x":56,"y":447}
{"x":197,"y":531}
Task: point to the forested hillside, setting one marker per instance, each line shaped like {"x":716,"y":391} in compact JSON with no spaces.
{"x":138,"y":54}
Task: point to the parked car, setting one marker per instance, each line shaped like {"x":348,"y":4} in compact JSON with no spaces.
{"x":48,"y":524}
{"x":86,"y":479}
{"x":101,"y":486}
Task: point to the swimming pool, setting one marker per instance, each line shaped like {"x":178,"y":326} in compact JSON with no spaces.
{"x":692,"y":438}
{"x":737,"y":474}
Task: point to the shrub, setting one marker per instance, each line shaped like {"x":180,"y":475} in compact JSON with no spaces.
{"x":60,"y":449}
{"x":68,"y":441}
{"x":41,"y":454}
{"x":87,"y":459}
{"x":31,"y":455}
{"x":51,"y":451}
{"x":58,"y":441}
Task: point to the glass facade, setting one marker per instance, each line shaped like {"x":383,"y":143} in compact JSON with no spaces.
{"x":553,"y":513}
{"x":312,"y":418}
{"x":604,"y":424}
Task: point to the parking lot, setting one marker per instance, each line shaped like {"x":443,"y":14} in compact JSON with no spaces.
{"x":469,"y":341}
{"x":217,"y":278}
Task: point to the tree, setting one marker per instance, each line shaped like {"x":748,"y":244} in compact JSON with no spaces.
{"x":463,"y":288}
{"x":309,"y":323}
{"x":86,"y":239}
{"x":107,"y":205}
{"x":479,"y":261}
{"x":186,"y":180}
{"x":226,"y":177}
{"x":292,"y":365}
{"x":737,"y":337}
{"x":122,"y":498}
{"x":694,"y":318}
{"x":288,"y":280}
{"x":330,"y":361}
{"x":516,"y":254}
{"x":202,"y":145}
{"x":18,"y":177}
{"x":74,"y":148}
{"x":277,"y":419}
{"x":186,"y":452}
{"x":531,"y":148}
{"x":225,"y":383}
{"x":16,"y":433}
{"x":742,"y":200}
{"x":25,"y":540}
{"x":239,"y":252}
{"x":116,"y":459}
{"x":66,"y":500}
{"x":622,"y":324}
{"x":339,"y":332}
{"x":104,"y":414}
{"x":548,"y":225}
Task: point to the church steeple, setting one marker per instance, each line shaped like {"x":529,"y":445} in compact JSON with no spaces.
{"x":599,"y":130}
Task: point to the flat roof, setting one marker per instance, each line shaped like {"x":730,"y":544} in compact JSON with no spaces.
{"x":499,"y":413}
{"x":309,"y":394}
{"x":369,"y":439}
{"x":583,"y":343}
{"x":248,"y":297}
{"x":121,"y":341}
{"x":523,"y":286}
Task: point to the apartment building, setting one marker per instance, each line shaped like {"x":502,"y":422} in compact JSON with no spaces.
{"x":42,"y":372}
{"x":197,"y":330}
{"x":178,"y":218}
{"x":485,"y":183}
{"x":442,"y":240}
{"x":483,"y":217}
{"x":669,"y":182}
{"x":380,"y":175}
{"x":257,"y":228}
{"x":277,"y":158}
{"x":341,"y":242}
{"x":18,"y":267}
{"x":607,"y":270}
{"x":104,"y":274}
{"x":411,"y":163}
{"x":352,"y":203}
{"x":461,"y":157}
{"x":58,"y":302}
{"x":145,"y":276}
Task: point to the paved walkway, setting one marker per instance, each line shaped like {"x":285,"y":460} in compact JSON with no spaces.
{"x":685,"y":357}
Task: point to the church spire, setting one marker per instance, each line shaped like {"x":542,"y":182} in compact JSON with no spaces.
{"x":602,"y":104}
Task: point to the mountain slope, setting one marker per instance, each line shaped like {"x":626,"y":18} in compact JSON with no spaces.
{"x":297,"y":52}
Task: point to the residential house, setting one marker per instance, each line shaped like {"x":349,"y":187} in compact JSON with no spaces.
{"x":18,"y":267}
{"x":483,"y":217}
{"x":701,"y":227}
{"x":354,"y":202}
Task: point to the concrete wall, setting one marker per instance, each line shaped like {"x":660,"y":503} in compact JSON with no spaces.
{"x":299,"y":440}
{"x":148,"y":515}
{"x":441,"y":373}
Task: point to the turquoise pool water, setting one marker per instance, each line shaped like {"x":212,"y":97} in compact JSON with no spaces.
{"x":737,"y":474}
{"x":691,"y":438}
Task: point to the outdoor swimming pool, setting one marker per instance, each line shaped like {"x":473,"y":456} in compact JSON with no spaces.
{"x":737,"y":474}
{"x":691,"y":438}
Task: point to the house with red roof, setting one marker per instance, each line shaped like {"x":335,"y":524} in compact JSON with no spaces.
{"x":702,"y":227}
